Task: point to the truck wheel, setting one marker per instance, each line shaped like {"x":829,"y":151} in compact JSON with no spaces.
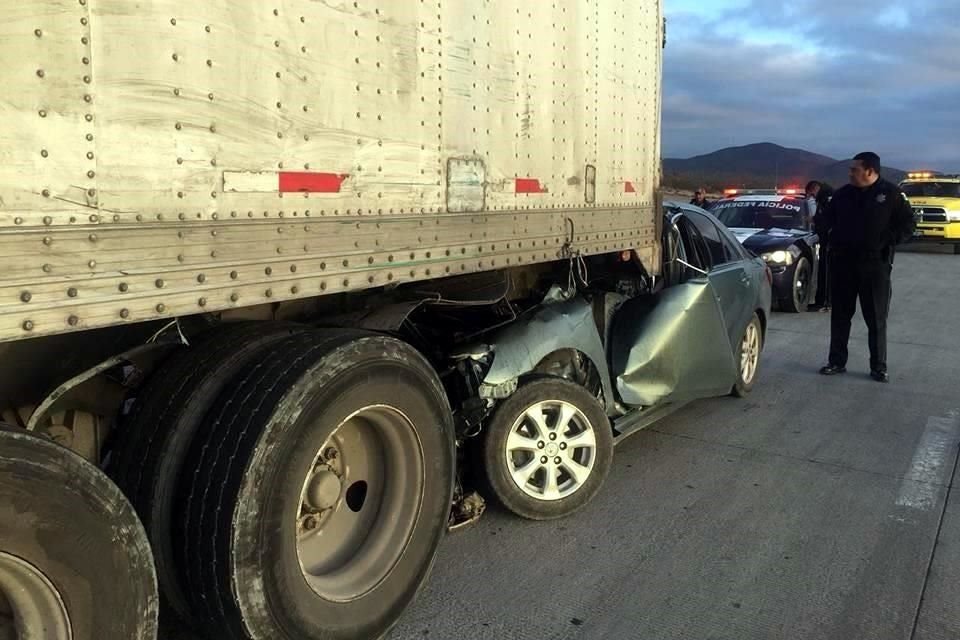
{"x":748,"y":358}
{"x":322,"y":490}
{"x":796,"y":301}
{"x":147,"y":461}
{"x":74,"y":559}
{"x":547,"y":449}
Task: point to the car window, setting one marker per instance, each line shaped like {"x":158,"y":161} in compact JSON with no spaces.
{"x":734,"y":249}
{"x":694,"y":246}
{"x":785,"y":213}
{"x":719,"y":253}
{"x":931,"y":189}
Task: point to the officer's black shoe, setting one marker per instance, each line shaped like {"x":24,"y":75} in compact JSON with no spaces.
{"x":832,"y":370}
{"x":880,"y":376}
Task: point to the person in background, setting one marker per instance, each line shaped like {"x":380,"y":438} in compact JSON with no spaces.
{"x":865,"y":221}
{"x":810,"y":204}
{"x":700,"y":198}
{"x":822,"y":300}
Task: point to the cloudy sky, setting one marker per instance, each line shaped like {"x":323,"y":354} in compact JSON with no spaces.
{"x":831,"y":76}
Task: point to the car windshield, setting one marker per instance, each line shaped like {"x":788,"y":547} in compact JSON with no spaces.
{"x":931,"y":189}
{"x":784,"y":213}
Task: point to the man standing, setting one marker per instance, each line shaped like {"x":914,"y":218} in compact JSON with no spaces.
{"x":865,"y":220}
{"x":700,"y":198}
{"x":822,"y":301}
{"x":810,"y":204}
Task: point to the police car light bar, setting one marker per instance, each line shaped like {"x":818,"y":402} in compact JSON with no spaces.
{"x":729,"y":193}
{"x":920,"y":174}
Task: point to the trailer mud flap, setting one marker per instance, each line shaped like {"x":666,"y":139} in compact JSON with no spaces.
{"x":672,"y":347}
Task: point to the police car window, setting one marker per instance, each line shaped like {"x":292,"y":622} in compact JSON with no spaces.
{"x":783,"y":213}
{"x":711,"y":237}
{"x":931,"y":189}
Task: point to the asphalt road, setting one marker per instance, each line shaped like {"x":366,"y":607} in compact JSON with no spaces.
{"x":815,"y":508}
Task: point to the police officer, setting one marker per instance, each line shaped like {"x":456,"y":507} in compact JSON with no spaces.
{"x":700,"y":198}
{"x":809,"y":211}
{"x":865,"y":220}
{"x":822,"y":301}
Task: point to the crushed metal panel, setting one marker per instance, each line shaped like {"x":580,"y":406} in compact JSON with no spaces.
{"x":555,"y":326}
{"x":672,"y":347}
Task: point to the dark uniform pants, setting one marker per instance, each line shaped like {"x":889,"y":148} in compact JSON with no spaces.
{"x":870,"y":281}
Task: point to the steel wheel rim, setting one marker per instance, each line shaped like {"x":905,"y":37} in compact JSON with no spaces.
{"x":551,"y":450}
{"x":749,"y":353}
{"x":36,"y":604}
{"x":360,"y":501}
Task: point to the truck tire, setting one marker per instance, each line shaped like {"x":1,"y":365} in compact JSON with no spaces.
{"x":147,"y":461}
{"x":798,"y":298}
{"x":321,"y":491}
{"x":549,"y":429}
{"x":748,"y":358}
{"x":74,"y":559}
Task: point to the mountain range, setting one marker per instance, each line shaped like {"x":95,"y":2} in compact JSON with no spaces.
{"x":761,"y":165}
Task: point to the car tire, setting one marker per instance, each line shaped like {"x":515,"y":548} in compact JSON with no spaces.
{"x":748,"y":357}
{"x":956,"y":249}
{"x":167,"y":417}
{"x":516,"y":446}
{"x":799,"y":296}
{"x":74,"y":559}
{"x":268,"y":483}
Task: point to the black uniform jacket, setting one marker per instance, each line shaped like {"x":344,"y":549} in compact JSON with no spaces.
{"x":866,"y":223}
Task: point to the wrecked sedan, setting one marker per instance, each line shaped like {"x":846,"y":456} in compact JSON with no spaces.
{"x":541,"y":402}
{"x":773,"y":227}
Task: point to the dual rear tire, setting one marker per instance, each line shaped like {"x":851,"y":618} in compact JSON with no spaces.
{"x":68,"y":538}
{"x":306,"y":482}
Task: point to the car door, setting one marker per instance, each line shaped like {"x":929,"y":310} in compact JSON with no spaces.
{"x":674,"y":346}
{"x":754,"y":268}
{"x":731,"y":275}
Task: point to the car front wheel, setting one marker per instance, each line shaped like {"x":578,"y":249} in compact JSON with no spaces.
{"x":795,"y":300}
{"x":547,"y":449}
{"x":748,"y":357}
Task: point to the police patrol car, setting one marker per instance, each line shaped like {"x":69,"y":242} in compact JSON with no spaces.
{"x":935,"y":200}
{"x":773,"y":225}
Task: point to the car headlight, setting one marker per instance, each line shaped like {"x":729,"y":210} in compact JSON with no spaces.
{"x":782,"y":256}
{"x":778,"y":257}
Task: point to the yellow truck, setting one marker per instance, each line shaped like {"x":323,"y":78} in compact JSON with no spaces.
{"x":936,"y":205}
